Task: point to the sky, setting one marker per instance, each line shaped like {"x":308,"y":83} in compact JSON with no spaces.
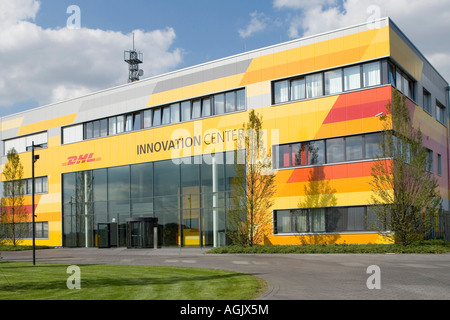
{"x":54,"y":50}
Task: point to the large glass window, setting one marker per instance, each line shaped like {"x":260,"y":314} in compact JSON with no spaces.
{"x":281,"y":91}
{"x":314,"y":85}
{"x":137,"y":124}
{"x":128,"y":122}
{"x":352,"y":78}
{"x":372,"y":145}
{"x":186,"y":111}
{"x":175,"y":113}
{"x":119,"y":183}
{"x":426,"y":101}
{"x":147,"y":118}
{"x":371,"y":74}
{"x":89,"y":130}
{"x":240,"y":100}
{"x":141,"y":189}
{"x":72,"y":134}
{"x":112,"y":125}
{"x":335,"y":150}
{"x":196,"y":109}
{"x":298,"y":89}
{"x":354,"y":148}
{"x":333,"y":81}
{"x":206,"y":107}
{"x":120,"y":124}
{"x":324,"y":220}
{"x":166,"y":115}
{"x":230,"y":101}
{"x":156,"y":117}
{"x":440,"y":112}
{"x":219,"y":103}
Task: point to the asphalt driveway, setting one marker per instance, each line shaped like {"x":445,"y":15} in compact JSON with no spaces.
{"x":289,"y":276}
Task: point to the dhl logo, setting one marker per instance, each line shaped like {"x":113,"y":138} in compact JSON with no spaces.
{"x":83,"y":158}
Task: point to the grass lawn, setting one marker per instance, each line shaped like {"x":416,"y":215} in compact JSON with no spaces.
{"x":23,"y":281}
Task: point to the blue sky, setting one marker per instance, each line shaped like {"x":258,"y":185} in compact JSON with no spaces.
{"x":42,"y":61}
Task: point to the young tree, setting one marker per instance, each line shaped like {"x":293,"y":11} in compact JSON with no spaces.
{"x":405,"y":198}
{"x":253,"y":187}
{"x":13,"y":213}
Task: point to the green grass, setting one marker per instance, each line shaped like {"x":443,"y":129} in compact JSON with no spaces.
{"x":427,"y":246}
{"x":23,"y":281}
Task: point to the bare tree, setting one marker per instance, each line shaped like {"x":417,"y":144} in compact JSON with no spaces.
{"x":405,"y":193}
{"x":13,"y":215}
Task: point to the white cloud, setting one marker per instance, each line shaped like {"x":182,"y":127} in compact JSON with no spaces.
{"x":47,"y":65}
{"x":425,"y":23}
{"x":257,"y":23}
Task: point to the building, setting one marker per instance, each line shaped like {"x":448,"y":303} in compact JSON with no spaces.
{"x":152,"y":160}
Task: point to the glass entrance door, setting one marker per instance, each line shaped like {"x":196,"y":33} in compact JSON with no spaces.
{"x":107,"y":235}
{"x":141,"y":232}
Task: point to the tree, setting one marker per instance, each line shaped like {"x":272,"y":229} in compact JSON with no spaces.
{"x":13,"y":215}
{"x":253,"y":186}
{"x":405,"y":195}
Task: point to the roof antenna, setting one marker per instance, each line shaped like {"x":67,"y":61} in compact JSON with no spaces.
{"x":133,"y":58}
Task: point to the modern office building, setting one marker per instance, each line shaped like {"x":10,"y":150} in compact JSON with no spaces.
{"x":158,"y":154}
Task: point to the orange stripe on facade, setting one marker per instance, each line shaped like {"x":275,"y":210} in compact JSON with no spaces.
{"x":331,"y":172}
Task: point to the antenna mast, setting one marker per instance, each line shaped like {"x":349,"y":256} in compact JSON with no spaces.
{"x":133,"y":58}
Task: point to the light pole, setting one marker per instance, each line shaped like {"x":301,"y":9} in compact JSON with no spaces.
{"x":34,"y":158}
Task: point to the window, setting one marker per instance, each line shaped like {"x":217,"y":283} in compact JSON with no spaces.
{"x":120,"y":124}
{"x":281,"y":91}
{"x":72,"y":134}
{"x":186,"y":111}
{"x":324,"y":220}
{"x":230,"y":101}
{"x":440,"y":112}
{"x":314,"y":85}
{"x":401,"y":81}
{"x":426,"y":101}
{"x":240,"y":100}
{"x":219,"y":103}
{"x":128,"y":122}
{"x":439,"y":164}
{"x":354,"y":148}
{"x":137,"y":125}
{"x":112,"y":125}
{"x":333,"y":82}
{"x":175,"y":113}
{"x":335,"y":150}
{"x":371,"y":145}
{"x":206,"y":107}
{"x":40,"y":230}
{"x":298,"y":89}
{"x":156,"y":117}
{"x":196,"y":109}
{"x":352,"y":78}
{"x":89,"y":130}
{"x":166,"y":115}
{"x":371,"y":74}
{"x":429,"y":161}
{"x":285,"y":156}
{"x":23,"y":144}
{"x":147,"y":118}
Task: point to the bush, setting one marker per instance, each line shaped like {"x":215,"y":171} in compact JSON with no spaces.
{"x":426,"y":246}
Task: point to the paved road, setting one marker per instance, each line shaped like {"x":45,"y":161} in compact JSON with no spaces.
{"x":289,"y":276}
